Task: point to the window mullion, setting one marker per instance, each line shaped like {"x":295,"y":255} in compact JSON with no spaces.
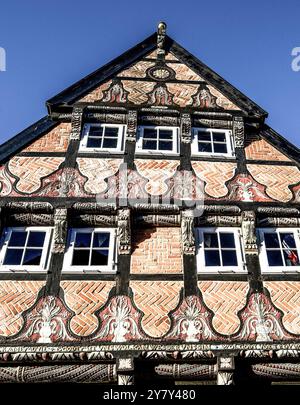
{"x":281,"y":248}
{"x":25,"y":247}
{"x":219,"y":247}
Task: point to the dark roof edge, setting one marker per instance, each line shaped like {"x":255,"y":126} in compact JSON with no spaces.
{"x":91,"y":80}
{"x":282,"y":144}
{"x":28,"y":135}
{"x":235,"y":95}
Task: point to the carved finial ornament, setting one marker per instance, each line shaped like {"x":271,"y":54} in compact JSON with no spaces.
{"x":161,"y":34}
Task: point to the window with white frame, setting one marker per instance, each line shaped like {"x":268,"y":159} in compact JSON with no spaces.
{"x":279,"y":249}
{"x":102,"y":138}
{"x":219,"y":250}
{"x":25,"y":248}
{"x":209,"y":141}
{"x":90,"y":249}
{"x":157,"y":139}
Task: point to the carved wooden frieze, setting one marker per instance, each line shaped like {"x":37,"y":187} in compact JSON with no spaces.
{"x":279,"y":221}
{"x":25,"y":206}
{"x":158,"y":220}
{"x":30,"y":219}
{"x":218,"y":220}
{"x":94,"y":220}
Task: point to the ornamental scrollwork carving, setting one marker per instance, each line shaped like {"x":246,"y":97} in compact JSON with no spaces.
{"x":124,"y":231}
{"x":115,"y":93}
{"x":131,"y":125}
{"x":238,"y":132}
{"x":186,"y":128}
{"x":76,"y":122}
{"x":203,"y":98}
{"x":187,"y":232}
{"x":60,"y":230}
{"x":249,"y":231}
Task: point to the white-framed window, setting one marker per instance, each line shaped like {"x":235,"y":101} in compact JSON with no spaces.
{"x":158,"y":140}
{"x":25,"y":248}
{"x":279,"y":249}
{"x":219,"y":250}
{"x":212,"y":142}
{"x":90,"y":250}
{"x":102,"y":138}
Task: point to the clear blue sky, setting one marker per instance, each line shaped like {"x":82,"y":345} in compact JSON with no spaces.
{"x":49,"y":45}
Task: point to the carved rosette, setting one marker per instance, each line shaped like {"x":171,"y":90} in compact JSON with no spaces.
{"x":124,"y":231}
{"x":238,"y":132}
{"x":187,"y":233}
{"x":186,"y":128}
{"x":248,"y":232}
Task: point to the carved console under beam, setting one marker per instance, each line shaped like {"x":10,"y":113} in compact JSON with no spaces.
{"x":94,"y":220}
{"x":30,"y":219}
{"x":278,"y":211}
{"x":20,"y":206}
{"x":277,"y":371}
{"x":279,"y":221}
{"x":93,"y":208}
{"x":187,"y":371}
{"x":158,"y":220}
{"x":218,"y":220}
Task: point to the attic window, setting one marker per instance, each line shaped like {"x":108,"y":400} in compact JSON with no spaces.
{"x":157,"y":139}
{"x":102,"y":138}
{"x":215,"y":142}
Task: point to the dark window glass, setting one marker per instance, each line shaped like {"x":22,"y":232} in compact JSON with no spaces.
{"x":229,"y":258}
{"x":227,"y":240}
{"x":13,"y":257}
{"x":32,"y":257}
{"x":274,"y":258}
{"x":80,"y":257}
{"x":83,"y":239}
{"x":101,"y":239}
{"x":96,"y":131}
{"x":212,"y":258}
{"x":110,"y":143}
{"x":151,"y":145}
{"x":111,"y":131}
{"x":204,"y":147}
{"x":94,"y":143}
{"x":271,"y":240}
{"x":17,"y":238}
{"x":150,"y":133}
{"x":218,"y":137}
{"x":287,"y":240}
{"x":99,"y":257}
{"x":165,"y":145}
{"x":220,"y":148}
{"x":165,"y":134}
{"x":36,"y":239}
{"x":204,"y":136}
{"x":211,"y":240}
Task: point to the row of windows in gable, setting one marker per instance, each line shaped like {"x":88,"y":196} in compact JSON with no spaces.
{"x":94,"y":249}
{"x":155,"y":139}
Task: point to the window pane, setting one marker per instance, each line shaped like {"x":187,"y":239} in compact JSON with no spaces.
{"x":17,"y":238}
{"x":218,"y":136}
{"x":291,"y":257}
{"x":149,"y":144}
{"x":110,"y":143}
{"x":101,"y":239}
{"x":83,"y":239}
{"x":36,"y":239}
{"x":111,"y":131}
{"x":227,"y":240}
{"x":13,"y":256}
{"x":204,"y":136}
{"x":150,"y":133}
{"x":220,"y":147}
{"x":99,"y":258}
{"x":210,"y":240}
{"x":165,"y":145}
{"x":274,"y":258}
{"x":204,"y":147}
{"x":32,"y":257}
{"x":212,"y":258}
{"x":229,"y":258}
{"x":287,"y":240}
{"x":271,"y":240}
{"x":94,"y":143}
{"x":96,"y":131}
{"x":165,"y":134}
{"x":81,"y":257}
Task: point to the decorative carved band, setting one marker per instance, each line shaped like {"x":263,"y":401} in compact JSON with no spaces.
{"x":248,"y":232}
{"x":76,"y":121}
{"x":156,"y":208}
{"x":159,"y":120}
{"x":29,"y":206}
{"x":221,"y":209}
{"x":224,"y":124}
{"x":238,"y":132}
{"x":111,"y":118}
{"x":278,"y":211}
{"x":186,"y":128}
{"x":217,"y":220}
{"x":131,"y":125}
{"x":93,"y":207}
{"x":95,"y":220}
{"x":30,"y":219}
{"x":60,"y":230}
{"x":277,"y":371}
{"x":124,"y":231}
{"x":158,"y":220}
{"x":187,"y":232}
{"x":279,"y":221}
{"x":187,"y":371}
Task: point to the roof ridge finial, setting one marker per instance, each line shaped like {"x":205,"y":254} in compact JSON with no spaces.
{"x":161,"y":35}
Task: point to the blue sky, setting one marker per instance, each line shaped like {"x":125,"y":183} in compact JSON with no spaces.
{"x":50,"y":45}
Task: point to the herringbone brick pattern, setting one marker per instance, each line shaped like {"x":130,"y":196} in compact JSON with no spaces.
{"x":183,"y":72}
{"x":156,"y":250}
{"x":257,"y":148}
{"x":285,"y":295}
{"x":215,"y":175}
{"x":156,"y":299}
{"x":136,"y":70}
{"x":56,"y":140}
{"x":31,"y":170}
{"x":182,"y":93}
{"x":225,"y":299}
{"x":277,"y":179}
{"x":84,"y":298}
{"x":138,"y":90}
{"x":15,"y":298}
{"x":97,"y":170}
{"x":157,"y":172}
{"x":96,"y":94}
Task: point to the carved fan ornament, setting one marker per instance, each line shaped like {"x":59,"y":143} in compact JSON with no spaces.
{"x":115,"y":93}
{"x":203,"y":98}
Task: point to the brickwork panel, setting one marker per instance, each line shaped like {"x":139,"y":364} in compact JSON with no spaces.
{"x":225,"y":299}
{"x":215,"y":175}
{"x":15,"y":298}
{"x":285,"y":295}
{"x":56,"y":140}
{"x":156,"y":250}
{"x":156,"y":299}
{"x":257,"y":148}
{"x":277,"y":179}
{"x":31,"y":170}
{"x":137,"y":70}
{"x":84,"y":298}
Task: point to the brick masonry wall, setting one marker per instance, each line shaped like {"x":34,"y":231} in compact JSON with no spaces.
{"x":286,"y":296}
{"x":156,"y":299}
{"x":56,"y":140}
{"x":156,"y":250}
{"x":225,"y":299}
{"x":15,"y":298}
{"x":257,"y":148}
{"x":84,"y":298}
